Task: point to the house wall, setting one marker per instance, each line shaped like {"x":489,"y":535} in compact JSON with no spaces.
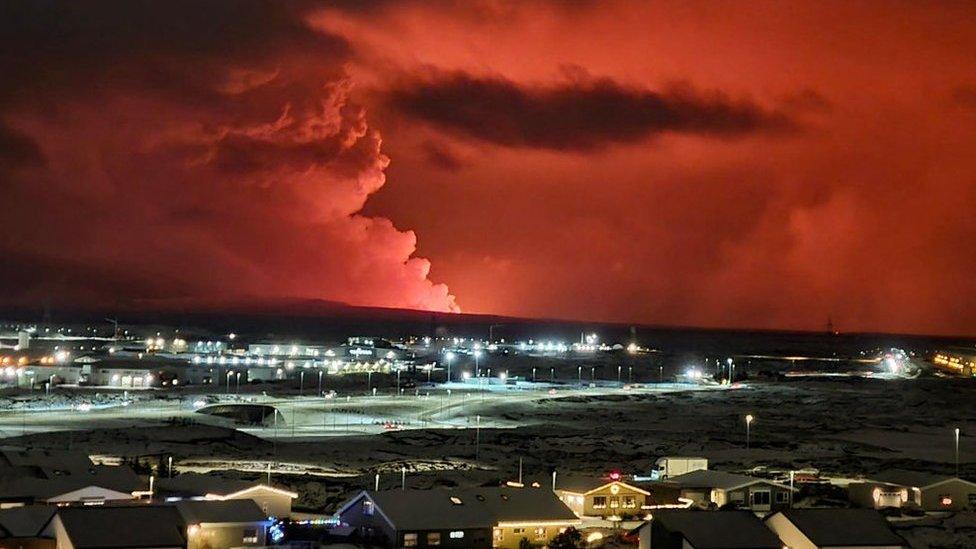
{"x":779,"y":498}
{"x":613,"y":502}
{"x":963,"y":495}
{"x":369,"y":526}
{"x":890,"y":495}
{"x":27,"y":543}
{"x":221,"y":536}
{"x":509,"y":537}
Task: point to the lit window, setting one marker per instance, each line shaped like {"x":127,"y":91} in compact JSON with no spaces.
{"x":630,"y":502}
{"x":410,"y":539}
{"x":368,"y":508}
{"x":599,"y":502}
{"x":455,"y":500}
{"x":540,"y":533}
{"x":457,"y":534}
{"x":498,"y":534}
{"x":434,"y":538}
{"x":250,"y":535}
{"x":614,"y":503}
{"x":760,"y":498}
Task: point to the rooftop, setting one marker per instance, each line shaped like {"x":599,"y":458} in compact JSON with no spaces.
{"x":26,"y":521}
{"x":708,"y":478}
{"x":469,"y":508}
{"x":719,"y":529}
{"x":916,"y":479}
{"x":228,"y":511}
{"x":137,"y":526}
{"x":844,"y":527}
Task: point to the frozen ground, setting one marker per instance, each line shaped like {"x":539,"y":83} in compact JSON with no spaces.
{"x":327,"y":449}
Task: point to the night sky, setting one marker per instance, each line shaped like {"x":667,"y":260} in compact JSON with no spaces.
{"x":721,"y":164}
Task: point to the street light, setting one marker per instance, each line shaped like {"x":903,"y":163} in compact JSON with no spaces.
{"x":477,"y":437}
{"x":369,"y":380}
{"x":579,"y":375}
{"x":301,"y":383}
{"x":320,"y":382}
{"x":477,"y":358}
{"x":749,"y":419}
{"x":533,"y":373}
{"x":398,"y":381}
{"x":228,"y":381}
{"x":957,"y":451}
{"x":449,"y":356}
{"x":619,"y":369}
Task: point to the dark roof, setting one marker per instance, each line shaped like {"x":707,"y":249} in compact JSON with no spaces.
{"x":18,"y":462}
{"x":199,"y":484}
{"x":710,"y":478}
{"x":119,"y":479}
{"x":844,"y":527}
{"x":117,"y":527}
{"x":234,"y":510}
{"x":718,"y":529}
{"x":26,"y":521}
{"x":917,"y":479}
{"x":473,"y":508}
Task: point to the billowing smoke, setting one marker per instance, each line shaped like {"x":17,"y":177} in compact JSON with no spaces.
{"x":185,"y":151}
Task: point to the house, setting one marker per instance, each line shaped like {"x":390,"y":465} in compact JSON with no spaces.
{"x":273,"y":501}
{"x":475,"y":518}
{"x":23,"y":527}
{"x":612,"y":497}
{"x":824,"y":528}
{"x":232,"y":523}
{"x":741,"y":491}
{"x":879,"y":495}
{"x":693,"y":529}
{"x":37,"y":476}
{"x":185,"y":525}
{"x":135,"y":526}
{"x":932,"y":492}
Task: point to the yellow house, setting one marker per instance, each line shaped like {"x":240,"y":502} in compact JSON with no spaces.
{"x":611,"y":497}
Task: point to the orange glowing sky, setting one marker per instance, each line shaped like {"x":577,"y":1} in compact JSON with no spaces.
{"x":760,"y":164}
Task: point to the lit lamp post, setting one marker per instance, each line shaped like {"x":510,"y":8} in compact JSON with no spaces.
{"x":533,"y":373}
{"x":477,"y":437}
{"x":729,"y":362}
{"x":749,"y":419}
{"x":477,"y":359}
{"x":449,"y":357}
{"x":301,"y":383}
{"x":398,"y":382}
{"x":320,"y":382}
{"x":579,"y":375}
{"x":238,"y":382}
{"x":369,"y":381}
{"x":229,"y":374}
{"x":957,"y":451}
{"x":619,"y":369}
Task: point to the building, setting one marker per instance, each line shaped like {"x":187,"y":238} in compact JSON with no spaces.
{"x":273,"y":501}
{"x":40,"y":476}
{"x":932,"y":492}
{"x":728,"y":489}
{"x":475,"y":518}
{"x":231,"y":523}
{"x":23,"y":527}
{"x":690,"y":529}
{"x":185,"y":525}
{"x":672,"y":466}
{"x":878,"y":495}
{"x":827,"y":528}
{"x":611,"y":497}
{"x":137,"y":526}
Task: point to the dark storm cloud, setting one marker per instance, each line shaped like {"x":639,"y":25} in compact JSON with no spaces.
{"x":584,"y":114}
{"x":48,"y":44}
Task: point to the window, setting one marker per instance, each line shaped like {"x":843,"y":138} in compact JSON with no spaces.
{"x":518,"y":530}
{"x":434,"y":538}
{"x":457,"y":534}
{"x":630,"y":502}
{"x":760,"y":497}
{"x":455,"y":500}
{"x":972,"y":499}
{"x":498,"y":534}
{"x":599,"y":502}
{"x":782,"y":497}
{"x":614,"y":502}
{"x":368,"y":508}
{"x":410,"y":539}
{"x":540,"y":533}
{"x":250,"y":535}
